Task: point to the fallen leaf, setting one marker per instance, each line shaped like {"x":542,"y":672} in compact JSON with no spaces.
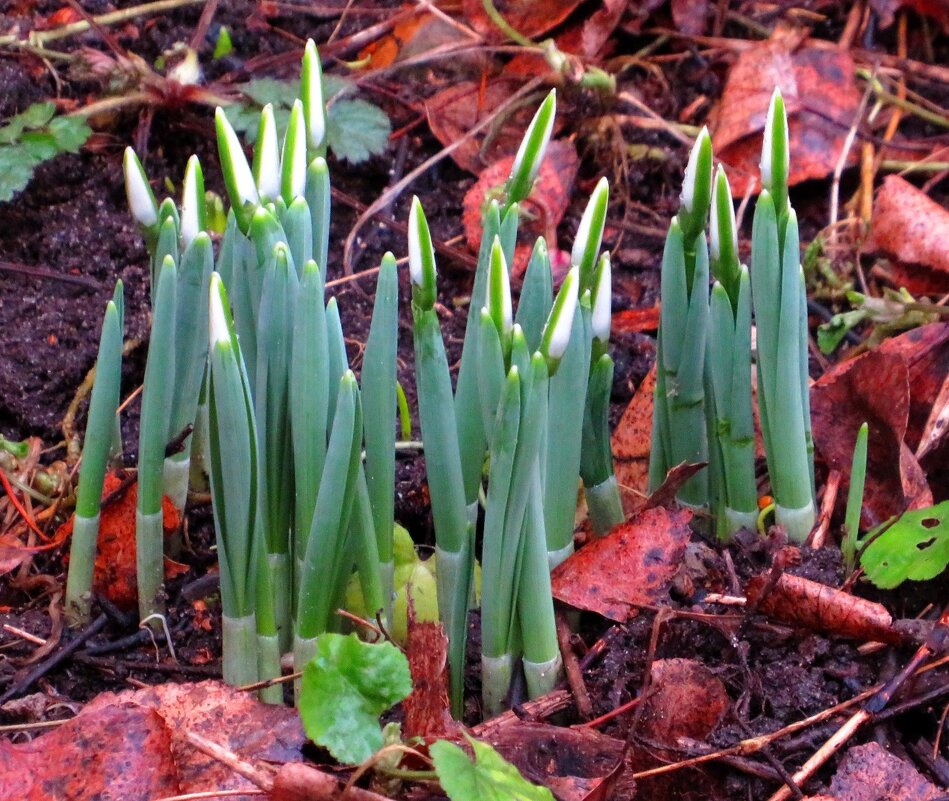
{"x":690,"y":16}
{"x":820,"y":97}
{"x":545,"y":206}
{"x":873,"y":388}
{"x":573,"y":763}
{"x":115,"y":570}
{"x":631,"y":566}
{"x":427,"y":712}
{"x":411,"y":36}
{"x":530,"y":18}
{"x":871,"y":773}
{"x":886,"y":10}
{"x":632,"y":442}
{"x":666,"y":492}
{"x":914,"y":229}
{"x":636,"y":320}
{"x":121,"y":752}
{"x":816,"y":607}
{"x":685,"y":700}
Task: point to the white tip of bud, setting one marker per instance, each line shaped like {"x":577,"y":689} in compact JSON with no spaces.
{"x":544,"y":116}
{"x":594,"y":211}
{"x":767,"y":145}
{"x":687,"y":196}
{"x":296,"y":142}
{"x":312,"y":87}
{"x":191,"y":202}
{"x":715,"y":242}
{"x":499,"y":290}
{"x":602,"y":316}
{"x":218,"y":330}
{"x":140,"y":198}
{"x":267,"y":153}
{"x":415,"y":248}
{"x":563,"y":324}
{"x":240,"y":169}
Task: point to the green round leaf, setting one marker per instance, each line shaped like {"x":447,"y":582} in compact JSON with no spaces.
{"x":489,"y":778}
{"x":915,"y":547}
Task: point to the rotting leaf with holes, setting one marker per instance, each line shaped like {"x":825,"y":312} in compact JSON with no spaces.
{"x":488,"y":778}
{"x":915,"y":547}
{"x":346,"y":686}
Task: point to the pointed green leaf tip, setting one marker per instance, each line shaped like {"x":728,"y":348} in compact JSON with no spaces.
{"x":293,"y":158}
{"x":345,"y":688}
{"x":775,"y":152}
{"x":723,"y":236}
{"x":311,"y":93}
{"x":194,"y":217}
{"x":219,"y":318}
{"x":530,"y":154}
{"x":586,"y":247}
{"x":421,"y":258}
{"x":238,"y":177}
{"x":141,"y":199}
{"x":696,"y":188}
{"x":601,"y":318}
{"x":267,"y":156}
{"x":499,"y":292}
{"x":488,"y":778}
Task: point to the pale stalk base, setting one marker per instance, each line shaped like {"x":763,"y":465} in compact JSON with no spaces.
{"x":150,"y":565}
{"x":175,"y":479}
{"x":736,"y":520}
{"x":496,"y":674}
{"x":82,"y":555}
{"x":554,"y":558}
{"x":387,"y":574}
{"x":604,"y":506}
{"x":797,"y":522}
{"x":282,"y":583}
{"x":304,"y":649}
{"x":239,"y":664}
{"x":268,"y":667}
{"x":542,"y":677}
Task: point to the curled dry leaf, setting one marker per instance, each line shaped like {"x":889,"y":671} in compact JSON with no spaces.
{"x":913,"y":229}
{"x":115,"y":570}
{"x":633,"y":565}
{"x":816,"y":607}
{"x":873,"y":388}
{"x":821,"y":100}
{"x":427,"y":712}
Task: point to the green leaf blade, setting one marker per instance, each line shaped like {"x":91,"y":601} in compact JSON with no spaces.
{"x":488,"y":778}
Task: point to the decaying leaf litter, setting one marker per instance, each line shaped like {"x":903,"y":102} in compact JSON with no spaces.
{"x":714,"y":629}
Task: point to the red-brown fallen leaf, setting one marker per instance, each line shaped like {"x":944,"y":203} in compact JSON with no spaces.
{"x":636,"y":320}
{"x":546,"y":204}
{"x":115,"y":571}
{"x":222,"y":714}
{"x":912,"y":228}
{"x":872,"y":388}
{"x":454,"y":111}
{"x":817,"y":607}
{"x":632,"y":442}
{"x":412,"y":35}
{"x":871,"y":773}
{"x":631,"y":566}
{"x":427,"y":712}
{"x":574,"y":763}
{"x":685,"y":700}
{"x":690,"y":16}
{"x":121,"y":753}
{"x":820,"y":97}
{"x":886,"y":10}
{"x":530,"y":18}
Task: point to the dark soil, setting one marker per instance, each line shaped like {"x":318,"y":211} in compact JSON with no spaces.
{"x":69,"y":237}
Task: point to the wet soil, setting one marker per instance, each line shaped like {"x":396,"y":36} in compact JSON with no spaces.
{"x":68,"y":238}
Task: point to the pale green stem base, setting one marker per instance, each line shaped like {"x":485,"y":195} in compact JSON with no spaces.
{"x":304,"y":649}
{"x":150,"y":564}
{"x":605,"y":506}
{"x":542,"y":677}
{"x":736,"y":520}
{"x":175,"y":478}
{"x":496,"y":674}
{"x":554,"y":558}
{"x":453,"y":577}
{"x":82,"y":556}
{"x":268,"y":667}
{"x":239,"y":664}
{"x":797,"y":522}
{"x":282,"y":583}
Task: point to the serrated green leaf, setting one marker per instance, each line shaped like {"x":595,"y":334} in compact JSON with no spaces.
{"x":346,"y":686}
{"x":915,"y":547}
{"x":16,"y":169}
{"x":489,"y":778}
{"x":357,"y":130}
{"x":36,"y":116}
{"x":40,"y":145}
{"x":70,"y":133}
